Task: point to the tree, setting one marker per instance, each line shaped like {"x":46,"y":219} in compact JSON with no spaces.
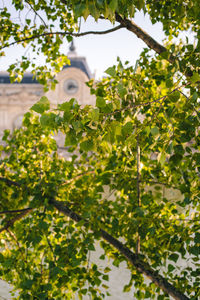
{"x":140,"y":140}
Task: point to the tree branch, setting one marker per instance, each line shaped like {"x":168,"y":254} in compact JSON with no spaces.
{"x":61,"y":33}
{"x":141,"y":34}
{"x":138,"y":191}
{"x":141,"y":266}
{"x":5,"y":212}
{"x":9,"y":182}
{"x":36,"y":13}
{"x":16,"y":218}
{"x":148,"y":40}
{"x":161,"y":99}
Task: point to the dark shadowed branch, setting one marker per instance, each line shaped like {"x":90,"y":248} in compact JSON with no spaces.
{"x":15,"y":219}
{"x":141,"y":266}
{"x":134,"y":259}
{"x":6,"y":212}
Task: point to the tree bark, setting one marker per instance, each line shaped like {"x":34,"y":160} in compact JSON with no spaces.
{"x":16,"y":218}
{"x":141,"y":266}
{"x":144,"y":36}
{"x":149,"y":41}
{"x":134,"y":259}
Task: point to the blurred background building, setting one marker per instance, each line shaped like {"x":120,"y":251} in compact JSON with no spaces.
{"x":17,"y":98}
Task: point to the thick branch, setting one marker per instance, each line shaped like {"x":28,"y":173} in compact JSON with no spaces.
{"x":9,"y":182}
{"x":148,"y":40}
{"x":141,"y":34}
{"x":62,"y":33}
{"x":23,"y":212}
{"x":16,"y":218}
{"x":142,"y":267}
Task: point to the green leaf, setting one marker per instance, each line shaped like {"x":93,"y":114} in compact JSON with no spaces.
{"x":155,"y":131}
{"x":70,"y":138}
{"x":176,"y":158}
{"x":127,"y":128}
{"x":83,"y":291}
{"x":94,"y":114}
{"x":107,"y":269}
{"x":117,"y":104}
{"x":127,"y":288}
{"x":121,"y":90}
{"x":197,"y":238}
{"x":171,"y":268}
{"x":47,"y":287}
{"x":161,"y":297}
{"x":79,"y":9}
{"x":139,"y":211}
{"x":174,"y":257}
{"x":48,"y":120}
{"x":100,"y":102}
{"x":105,"y":277}
{"x":1,"y":258}
{"x":195,"y":250}
{"x":43,"y":225}
{"x":195,"y":77}
{"x":162,"y":158}
{"x":175,"y":96}
{"x":42,"y":105}
{"x":113,"y":5}
{"x":195,"y":96}
{"x":111,"y":71}
{"x":196,"y":157}
{"x":169,"y":83}
{"x":66,"y":106}
{"x":91,"y":247}
{"x":87,"y":145}
{"x":28,"y":284}
{"x":44,"y":120}
{"x":140,"y":4}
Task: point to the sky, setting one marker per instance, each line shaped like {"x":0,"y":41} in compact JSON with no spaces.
{"x":101,"y":51}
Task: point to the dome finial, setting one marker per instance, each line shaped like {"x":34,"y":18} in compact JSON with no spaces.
{"x":72,"y":48}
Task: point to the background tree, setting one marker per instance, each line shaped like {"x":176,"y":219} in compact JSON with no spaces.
{"x":140,"y":139}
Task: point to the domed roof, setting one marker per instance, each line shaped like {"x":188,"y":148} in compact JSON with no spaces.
{"x":78,"y":62}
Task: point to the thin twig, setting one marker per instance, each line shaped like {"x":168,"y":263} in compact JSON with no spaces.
{"x":14,"y":237}
{"x":36,"y":13}
{"x":77,"y":177}
{"x":61,"y":33}
{"x":150,"y":102}
{"x":51,"y":248}
{"x":161,"y":183}
{"x":188,"y":100}
{"x":138,"y":191}
{"x":5,"y":212}
{"x":157,"y":112}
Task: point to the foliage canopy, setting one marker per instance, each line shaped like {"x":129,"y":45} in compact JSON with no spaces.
{"x":140,"y":141}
